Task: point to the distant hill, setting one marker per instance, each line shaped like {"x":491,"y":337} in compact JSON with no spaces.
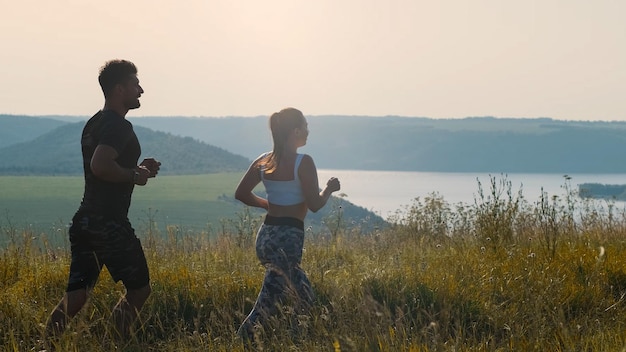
{"x":18,"y":129}
{"x":476,"y":144}
{"x":58,"y":153}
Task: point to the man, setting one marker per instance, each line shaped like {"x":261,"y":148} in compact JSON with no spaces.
{"x":100,"y":233}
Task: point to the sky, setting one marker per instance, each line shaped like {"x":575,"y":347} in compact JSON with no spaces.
{"x":564,"y":59}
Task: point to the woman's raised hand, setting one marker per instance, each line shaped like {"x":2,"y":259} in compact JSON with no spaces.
{"x":333,"y":184}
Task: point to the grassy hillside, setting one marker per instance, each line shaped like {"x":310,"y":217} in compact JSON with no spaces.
{"x":58,"y":153}
{"x":502,"y":275}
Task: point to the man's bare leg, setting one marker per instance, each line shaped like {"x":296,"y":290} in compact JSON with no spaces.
{"x":127,"y":309}
{"x":68,"y":307}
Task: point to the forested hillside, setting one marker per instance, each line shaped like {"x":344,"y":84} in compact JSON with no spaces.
{"x":481,"y":144}
{"x":602,"y":191}
{"x":18,"y":129}
{"x":58,"y":153}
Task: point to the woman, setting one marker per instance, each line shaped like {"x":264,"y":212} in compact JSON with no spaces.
{"x":290,"y":180}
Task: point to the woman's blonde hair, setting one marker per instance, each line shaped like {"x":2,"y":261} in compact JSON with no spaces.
{"x":281,"y":125}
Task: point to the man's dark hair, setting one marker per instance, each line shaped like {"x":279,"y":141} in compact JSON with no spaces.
{"x":115,"y":72}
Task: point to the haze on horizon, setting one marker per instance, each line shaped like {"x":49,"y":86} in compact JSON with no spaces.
{"x":564,"y":59}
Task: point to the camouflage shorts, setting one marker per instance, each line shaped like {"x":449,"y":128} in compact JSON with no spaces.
{"x":96,"y":242}
{"x":279,"y":248}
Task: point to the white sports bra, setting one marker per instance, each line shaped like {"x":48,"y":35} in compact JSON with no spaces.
{"x":284,"y":192}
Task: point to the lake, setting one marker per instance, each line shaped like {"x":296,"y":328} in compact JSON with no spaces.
{"x":384,"y":192}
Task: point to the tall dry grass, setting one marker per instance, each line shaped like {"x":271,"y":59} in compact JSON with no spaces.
{"x":502,"y":274}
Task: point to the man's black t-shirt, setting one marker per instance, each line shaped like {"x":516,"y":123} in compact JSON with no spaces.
{"x":108,"y":199}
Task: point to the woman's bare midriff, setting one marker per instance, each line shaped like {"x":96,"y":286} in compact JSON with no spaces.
{"x":297,"y":211}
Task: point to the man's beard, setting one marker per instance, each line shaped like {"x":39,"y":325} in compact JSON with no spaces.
{"x":135,"y":104}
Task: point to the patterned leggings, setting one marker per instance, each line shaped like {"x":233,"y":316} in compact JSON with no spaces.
{"x":279,"y":248}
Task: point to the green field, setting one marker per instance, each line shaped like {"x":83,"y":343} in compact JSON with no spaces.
{"x":198,"y":203}
{"x":45,"y":202}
